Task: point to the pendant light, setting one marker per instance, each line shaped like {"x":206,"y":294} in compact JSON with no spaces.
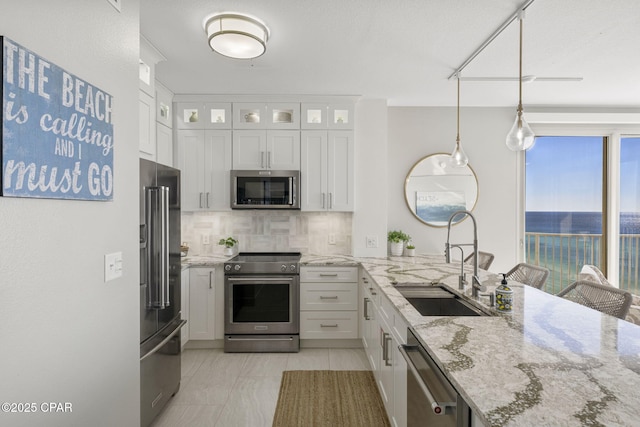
{"x":458,"y":156}
{"x":520,"y":137}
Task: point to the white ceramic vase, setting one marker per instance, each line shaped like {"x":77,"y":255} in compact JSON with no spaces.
{"x":396,"y":248}
{"x":410,"y":252}
{"x":228,"y":251}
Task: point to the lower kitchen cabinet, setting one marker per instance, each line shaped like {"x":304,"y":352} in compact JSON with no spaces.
{"x":202,"y":303}
{"x":328,"y":302}
{"x":184,"y":305}
{"x":383,"y":330}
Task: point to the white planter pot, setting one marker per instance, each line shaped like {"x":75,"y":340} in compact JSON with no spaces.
{"x":396,"y":248}
{"x":229,"y":251}
{"x":410,"y":252}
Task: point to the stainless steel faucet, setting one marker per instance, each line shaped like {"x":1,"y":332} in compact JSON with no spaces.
{"x":476,"y":286}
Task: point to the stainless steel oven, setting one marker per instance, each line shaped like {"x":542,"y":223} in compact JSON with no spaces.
{"x":262,"y":302}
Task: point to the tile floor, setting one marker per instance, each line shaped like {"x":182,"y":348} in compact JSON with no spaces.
{"x":241,"y":389}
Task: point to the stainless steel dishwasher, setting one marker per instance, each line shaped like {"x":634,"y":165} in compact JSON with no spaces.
{"x":431,"y":399}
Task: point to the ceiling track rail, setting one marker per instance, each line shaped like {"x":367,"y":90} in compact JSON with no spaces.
{"x":492,"y":37}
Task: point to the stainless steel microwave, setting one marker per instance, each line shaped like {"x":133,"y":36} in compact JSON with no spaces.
{"x":265,"y":189}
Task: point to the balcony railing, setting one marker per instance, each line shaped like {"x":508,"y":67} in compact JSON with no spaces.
{"x":565,"y":254}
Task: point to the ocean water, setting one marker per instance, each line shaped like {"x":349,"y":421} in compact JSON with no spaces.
{"x":577,"y":222}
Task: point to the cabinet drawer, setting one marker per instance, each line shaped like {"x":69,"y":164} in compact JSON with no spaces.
{"x":329,"y":274}
{"x":328,"y":324}
{"x":328,"y":296}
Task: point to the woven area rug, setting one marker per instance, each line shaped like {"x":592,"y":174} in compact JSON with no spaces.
{"x":329,"y":398}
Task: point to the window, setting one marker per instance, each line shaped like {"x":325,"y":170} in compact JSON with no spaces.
{"x":565,"y":224}
{"x":629,"y":197}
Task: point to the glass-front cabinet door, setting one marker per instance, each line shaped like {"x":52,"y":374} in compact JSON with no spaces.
{"x":194,"y":115}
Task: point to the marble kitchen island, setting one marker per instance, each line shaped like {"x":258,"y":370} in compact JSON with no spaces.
{"x":549,"y":362}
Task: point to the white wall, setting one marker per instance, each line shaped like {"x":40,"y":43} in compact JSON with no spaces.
{"x":371,"y":164}
{"x":67,"y":336}
{"x":417,"y":132}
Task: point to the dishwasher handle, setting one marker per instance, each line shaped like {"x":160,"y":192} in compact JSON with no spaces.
{"x":438,"y":408}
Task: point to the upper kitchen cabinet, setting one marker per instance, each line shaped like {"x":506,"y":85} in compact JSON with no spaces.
{"x":260,"y":149}
{"x":147,"y":102}
{"x":327,"y":171}
{"x":199,"y":115}
{"x":204,"y":157}
{"x":266,"y":116}
{"x":327,"y":116}
{"x":164,"y":125}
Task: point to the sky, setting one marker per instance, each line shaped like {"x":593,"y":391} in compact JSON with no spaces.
{"x":565,"y":174}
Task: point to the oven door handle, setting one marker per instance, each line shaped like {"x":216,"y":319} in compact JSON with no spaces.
{"x":260,"y":279}
{"x":438,"y":408}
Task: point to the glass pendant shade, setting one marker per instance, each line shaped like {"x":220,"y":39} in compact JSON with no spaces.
{"x":520,"y":137}
{"x":458,"y":156}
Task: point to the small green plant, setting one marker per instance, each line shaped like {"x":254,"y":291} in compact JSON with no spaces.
{"x":229,"y":242}
{"x":410,"y":245}
{"x":397,"y":237}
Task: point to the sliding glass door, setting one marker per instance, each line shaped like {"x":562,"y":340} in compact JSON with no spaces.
{"x":629,"y":250}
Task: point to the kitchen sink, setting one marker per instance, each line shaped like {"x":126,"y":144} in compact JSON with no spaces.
{"x":437,"y":301}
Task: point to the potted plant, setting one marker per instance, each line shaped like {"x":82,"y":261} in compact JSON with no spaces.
{"x":396,"y":239}
{"x":411,"y":249}
{"x":229,"y":243}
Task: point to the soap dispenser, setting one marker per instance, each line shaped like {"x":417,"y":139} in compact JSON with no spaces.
{"x":504,"y":295}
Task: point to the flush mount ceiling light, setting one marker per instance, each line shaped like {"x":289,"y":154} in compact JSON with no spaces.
{"x":458,"y":156}
{"x":520,"y":137}
{"x":236,"y":35}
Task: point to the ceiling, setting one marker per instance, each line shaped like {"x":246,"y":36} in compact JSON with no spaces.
{"x":405,"y":50}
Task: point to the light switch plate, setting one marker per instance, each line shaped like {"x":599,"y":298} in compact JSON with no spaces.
{"x":112,"y":266}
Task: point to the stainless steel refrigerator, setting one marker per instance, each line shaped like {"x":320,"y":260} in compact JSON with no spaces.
{"x":160,"y":267}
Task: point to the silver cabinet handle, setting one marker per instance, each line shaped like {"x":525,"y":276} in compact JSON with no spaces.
{"x":200,"y":200}
{"x":328,"y":274}
{"x":262,"y":159}
{"x":268,"y":159}
{"x":366,"y":309}
{"x":387,"y":339}
{"x":323,"y":200}
{"x":208,"y":200}
{"x":330,"y":200}
{"x":322,"y":325}
{"x":210,"y":274}
{"x":333,"y":297}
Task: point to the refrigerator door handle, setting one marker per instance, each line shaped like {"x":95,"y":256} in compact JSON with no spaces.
{"x":164,"y":341}
{"x":157,"y":253}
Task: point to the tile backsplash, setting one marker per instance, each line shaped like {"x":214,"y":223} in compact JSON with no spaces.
{"x":269,"y":231}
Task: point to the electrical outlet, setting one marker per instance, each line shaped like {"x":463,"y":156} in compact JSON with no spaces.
{"x":205,"y":239}
{"x":372,"y":241}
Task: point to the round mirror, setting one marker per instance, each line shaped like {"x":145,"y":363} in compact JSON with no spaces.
{"x":435,"y":189}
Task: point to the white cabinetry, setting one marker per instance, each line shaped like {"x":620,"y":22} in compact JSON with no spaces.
{"x":204,"y":157}
{"x":202,"y":303}
{"x":326,"y":116}
{"x":147,"y":131}
{"x":327,"y":174}
{"x":184,"y":305}
{"x":383,"y":330}
{"x":203,"y":115}
{"x":328,"y":302}
{"x":164,"y":131}
{"x":266,"y":116}
{"x":266,"y":149}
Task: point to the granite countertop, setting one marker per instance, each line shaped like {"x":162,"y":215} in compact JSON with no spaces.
{"x":549,"y":362}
